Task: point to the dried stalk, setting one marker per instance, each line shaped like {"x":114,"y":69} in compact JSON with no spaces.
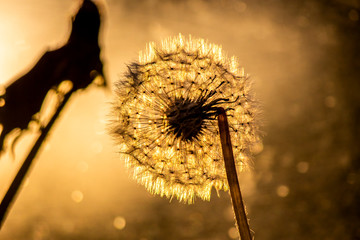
{"x":239,"y":210}
{"x":10,"y":195}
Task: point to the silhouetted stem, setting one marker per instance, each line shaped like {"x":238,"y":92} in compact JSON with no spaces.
{"x":239,"y":210}
{"x":10,"y":195}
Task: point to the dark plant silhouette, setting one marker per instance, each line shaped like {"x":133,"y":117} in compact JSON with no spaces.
{"x":77,"y":61}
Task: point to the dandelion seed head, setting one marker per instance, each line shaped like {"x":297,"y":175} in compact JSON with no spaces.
{"x":165,"y":117}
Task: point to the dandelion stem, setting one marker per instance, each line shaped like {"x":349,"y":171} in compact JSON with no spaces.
{"x":239,"y":210}
{"x":16,"y":183}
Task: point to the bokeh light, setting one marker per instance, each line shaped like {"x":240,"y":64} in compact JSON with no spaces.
{"x":302,"y":167}
{"x":282,"y":190}
{"x":119,"y":223}
{"x":77,"y":196}
{"x":233,"y":233}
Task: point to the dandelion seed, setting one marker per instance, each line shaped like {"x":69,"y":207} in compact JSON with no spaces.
{"x":165,"y":117}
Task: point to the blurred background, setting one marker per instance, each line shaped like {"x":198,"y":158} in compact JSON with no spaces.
{"x":303,"y":58}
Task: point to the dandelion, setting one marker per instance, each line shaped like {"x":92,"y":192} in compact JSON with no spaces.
{"x":165,"y":117}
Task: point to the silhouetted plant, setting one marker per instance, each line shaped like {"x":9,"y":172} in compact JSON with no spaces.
{"x":78,"y":61}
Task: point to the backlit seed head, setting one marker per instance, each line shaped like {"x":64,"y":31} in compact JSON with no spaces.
{"x":164,"y":117}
